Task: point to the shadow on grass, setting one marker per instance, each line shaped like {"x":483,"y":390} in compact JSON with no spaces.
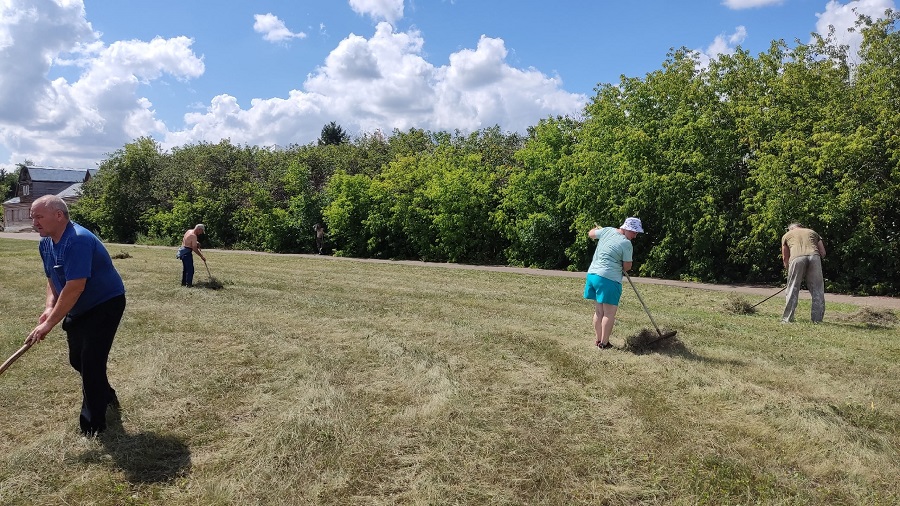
{"x":212,"y":284}
{"x":143,"y":457}
{"x":676,"y":347}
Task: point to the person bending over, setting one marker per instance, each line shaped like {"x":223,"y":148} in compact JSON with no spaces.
{"x":603,"y":284}
{"x":190,"y":244}
{"x":86,"y":294}
{"x":802,"y":251}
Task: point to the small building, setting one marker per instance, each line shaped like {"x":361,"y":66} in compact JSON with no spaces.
{"x":35,"y":182}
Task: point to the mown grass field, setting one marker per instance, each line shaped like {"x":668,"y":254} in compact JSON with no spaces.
{"x":313,"y":380}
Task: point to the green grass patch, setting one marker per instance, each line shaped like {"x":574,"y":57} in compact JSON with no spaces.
{"x":319,"y":380}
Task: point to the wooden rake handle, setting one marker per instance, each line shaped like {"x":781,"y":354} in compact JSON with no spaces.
{"x":641,"y":300}
{"x":769,"y":297}
{"x":15,"y":356}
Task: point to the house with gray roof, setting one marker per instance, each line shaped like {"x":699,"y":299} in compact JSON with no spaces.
{"x":36,"y":182}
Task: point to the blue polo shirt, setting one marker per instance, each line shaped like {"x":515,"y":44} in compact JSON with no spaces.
{"x":79,"y":254}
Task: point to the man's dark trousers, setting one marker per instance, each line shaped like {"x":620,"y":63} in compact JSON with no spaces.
{"x":90,"y":337}
{"x":187,"y":271}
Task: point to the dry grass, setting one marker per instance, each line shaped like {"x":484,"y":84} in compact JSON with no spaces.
{"x":313,"y":380}
{"x":210,"y":284}
{"x":879,"y":317}
{"x":738,"y":304}
{"x":647,"y":340}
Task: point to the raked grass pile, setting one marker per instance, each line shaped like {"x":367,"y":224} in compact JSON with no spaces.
{"x":315,"y":380}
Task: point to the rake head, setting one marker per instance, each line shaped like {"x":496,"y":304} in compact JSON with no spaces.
{"x":211,"y":283}
{"x":647,"y":339}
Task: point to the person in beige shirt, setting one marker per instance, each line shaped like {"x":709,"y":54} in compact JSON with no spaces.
{"x":190,"y":245}
{"x":802,"y":251}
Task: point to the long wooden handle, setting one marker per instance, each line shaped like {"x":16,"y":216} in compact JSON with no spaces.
{"x":658,"y":332}
{"x":769,"y":297}
{"x":15,"y":355}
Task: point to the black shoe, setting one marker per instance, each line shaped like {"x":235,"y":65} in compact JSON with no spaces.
{"x":606,"y":346}
{"x":90,"y":430}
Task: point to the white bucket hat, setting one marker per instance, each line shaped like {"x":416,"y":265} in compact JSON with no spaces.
{"x":633,"y":224}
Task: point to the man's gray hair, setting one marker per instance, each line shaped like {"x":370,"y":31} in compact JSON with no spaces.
{"x":794,"y":225}
{"x":53,"y":203}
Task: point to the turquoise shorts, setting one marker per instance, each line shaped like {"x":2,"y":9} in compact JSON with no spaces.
{"x":602,"y":290}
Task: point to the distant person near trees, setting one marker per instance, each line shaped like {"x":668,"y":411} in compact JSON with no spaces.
{"x":190,"y":244}
{"x":603,"y":284}
{"x":319,"y":229}
{"x":86,"y":294}
{"x":802,"y":251}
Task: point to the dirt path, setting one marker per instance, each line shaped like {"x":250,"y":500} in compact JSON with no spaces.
{"x":752,"y":290}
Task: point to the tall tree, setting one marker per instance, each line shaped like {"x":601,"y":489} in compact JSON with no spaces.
{"x":332,"y":134}
{"x":661,"y":148}
{"x":119,"y":198}
{"x":8,"y":182}
{"x":530,"y":215}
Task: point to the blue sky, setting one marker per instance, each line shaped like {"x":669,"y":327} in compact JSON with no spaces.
{"x":80,"y":79}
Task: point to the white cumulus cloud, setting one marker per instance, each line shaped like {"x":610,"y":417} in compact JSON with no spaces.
{"x":384,"y":83}
{"x":722,"y":44}
{"x":274,"y":29}
{"x":366,"y":83}
{"x":843,"y":16}
{"x":30,"y":39}
{"x":387,"y":10}
{"x":58,"y":122}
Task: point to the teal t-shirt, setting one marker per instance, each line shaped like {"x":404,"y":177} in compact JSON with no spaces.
{"x":613,"y":248}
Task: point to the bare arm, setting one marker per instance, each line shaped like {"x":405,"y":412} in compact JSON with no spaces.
{"x":785,"y":255}
{"x":821,"y":247}
{"x":626,"y":266}
{"x":57,"y":307}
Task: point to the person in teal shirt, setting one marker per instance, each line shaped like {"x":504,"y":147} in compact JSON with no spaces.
{"x":603,"y":284}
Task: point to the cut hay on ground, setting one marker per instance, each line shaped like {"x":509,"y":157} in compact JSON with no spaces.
{"x":648,"y":340}
{"x":210,"y":284}
{"x":738,"y":304}
{"x":880,"y":317}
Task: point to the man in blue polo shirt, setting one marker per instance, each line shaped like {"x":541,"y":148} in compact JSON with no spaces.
{"x":86,"y":294}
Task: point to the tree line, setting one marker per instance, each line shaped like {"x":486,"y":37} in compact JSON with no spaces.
{"x":715,"y":159}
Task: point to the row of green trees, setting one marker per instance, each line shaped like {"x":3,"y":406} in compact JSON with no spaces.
{"x":716,"y":160}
